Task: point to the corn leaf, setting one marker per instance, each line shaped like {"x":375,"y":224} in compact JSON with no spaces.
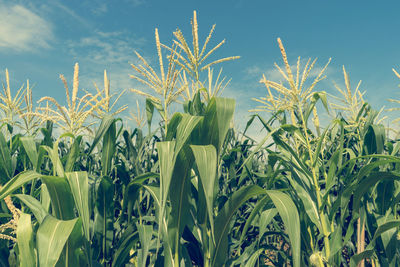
{"x":34,"y":205}
{"x":17,"y":181}
{"x":51,"y":238}
{"x":62,"y":202}
{"x":78,"y":182}
{"x":27,"y":253}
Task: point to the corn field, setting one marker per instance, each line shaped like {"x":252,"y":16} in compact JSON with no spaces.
{"x":81,"y":188}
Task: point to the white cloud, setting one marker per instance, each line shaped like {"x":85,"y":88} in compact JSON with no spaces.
{"x":23,"y":30}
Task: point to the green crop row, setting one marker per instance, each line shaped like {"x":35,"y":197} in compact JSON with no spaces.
{"x":194,"y":191}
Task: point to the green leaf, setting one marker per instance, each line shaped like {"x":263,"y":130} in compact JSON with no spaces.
{"x":58,"y":168}
{"x":179,"y":195}
{"x":104,"y":198}
{"x":308,"y":199}
{"x":29,"y":145}
{"x":290,"y":217}
{"x":104,"y":206}
{"x":5,"y":160}
{"x":364,"y":186}
{"x":34,"y":205}
{"x":149,"y":112}
{"x":259,"y":206}
{"x":374,"y":140}
{"x":251,"y":262}
{"x":184,"y":130}
{"x":166,"y":151}
{"x":128,"y":240}
{"x":45,"y":197}
{"x":103,"y":128}
{"x":132,"y":191}
{"x":145,"y":235}
{"x":155,"y":193}
{"x":79,"y":183}
{"x":173,"y":125}
{"x":51,"y":238}
{"x":18,"y":181}
{"x":265,"y":218}
{"x":27,"y":254}
{"x":370,"y":250}
{"x":221,"y":223}
{"x":73,"y":247}
{"x":218,"y":117}
{"x":108,"y":151}
{"x":62,"y":202}
{"x":206,"y":161}
{"x":73,"y":154}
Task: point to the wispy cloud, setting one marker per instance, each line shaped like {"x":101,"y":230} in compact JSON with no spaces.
{"x":105,"y":48}
{"x":22,"y":30}
{"x":112,"y":51}
{"x":135,"y":3}
{"x":273,"y":74}
{"x":100,"y":8}
{"x":71,"y":13}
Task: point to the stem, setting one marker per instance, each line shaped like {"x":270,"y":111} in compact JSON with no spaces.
{"x":317,"y":189}
{"x":360,"y":238}
{"x":166,"y":116}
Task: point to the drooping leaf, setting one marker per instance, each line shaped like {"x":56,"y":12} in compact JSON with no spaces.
{"x":34,"y":205}
{"x":18,"y":181}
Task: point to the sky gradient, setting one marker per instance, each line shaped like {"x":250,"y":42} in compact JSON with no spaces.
{"x":41,"y":39}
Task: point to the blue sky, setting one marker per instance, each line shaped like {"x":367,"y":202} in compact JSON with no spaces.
{"x":41,"y":39}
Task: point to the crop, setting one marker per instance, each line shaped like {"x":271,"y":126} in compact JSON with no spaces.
{"x":81,"y":188}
